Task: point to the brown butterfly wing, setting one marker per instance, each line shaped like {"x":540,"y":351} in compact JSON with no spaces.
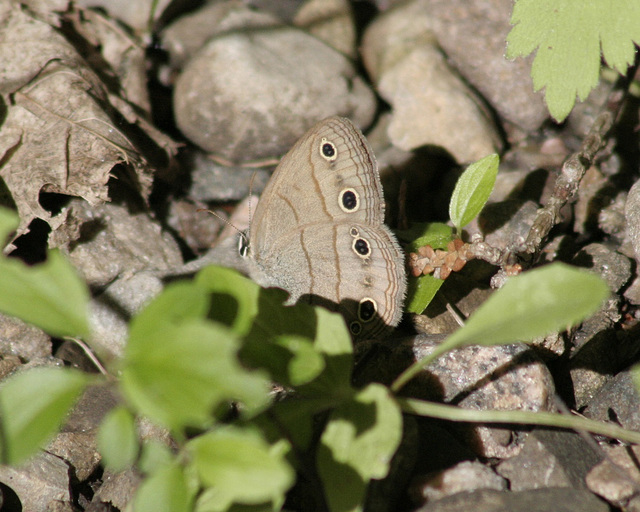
{"x":318,"y":230}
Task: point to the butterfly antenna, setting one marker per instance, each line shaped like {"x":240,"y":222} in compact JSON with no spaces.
{"x":220,"y":217}
{"x":253,"y":177}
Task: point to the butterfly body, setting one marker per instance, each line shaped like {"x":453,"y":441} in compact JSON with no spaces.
{"x":318,"y":231}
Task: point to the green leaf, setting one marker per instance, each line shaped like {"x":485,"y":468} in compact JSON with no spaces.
{"x":305,"y":363}
{"x":241,"y":467}
{"x":435,"y":234}
{"x":569,"y":36}
{"x":235,"y":298}
{"x":421,"y":292}
{"x":473,"y":190}
{"x":178,"y":302}
{"x":532,"y":304}
{"x":326,"y":330}
{"x":357,"y":445}
{"x":33,"y":404}
{"x":8,"y":223}
{"x":50,"y":295}
{"x":422,"y":289}
{"x":164,"y":491}
{"x":155,"y":455}
{"x":118,"y":439}
{"x":334,"y":342}
{"x":183,"y":372}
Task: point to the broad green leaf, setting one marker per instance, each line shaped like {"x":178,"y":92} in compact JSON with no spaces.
{"x":533,"y":304}
{"x":181,"y":373}
{"x":241,"y":467}
{"x":357,"y":445}
{"x":235,"y":298}
{"x":118,"y":439}
{"x":569,"y":35}
{"x":164,"y":491}
{"x":177,"y":303}
{"x":50,"y":295}
{"x":33,"y":404}
{"x":472,"y":190}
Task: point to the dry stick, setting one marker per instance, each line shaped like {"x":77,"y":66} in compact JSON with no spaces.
{"x":565,"y":189}
{"x":567,"y":183}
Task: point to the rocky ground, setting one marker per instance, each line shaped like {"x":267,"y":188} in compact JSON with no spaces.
{"x":114,"y":139}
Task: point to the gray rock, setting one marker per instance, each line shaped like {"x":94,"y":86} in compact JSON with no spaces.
{"x":592,"y":357}
{"x":246,"y":95}
{"x":632,"y":214}
{"x":506,"y":377}
{"x":135,"y":14}
{"x":185,"y":36}
{"x":107,"y":241}
{"x":609,"y":264}
{"x":617,"y":478}
{"x":94,"y":403}
{"x":79,"y":450}
{"x":538,"y":500}
{"x":431,"y":104}
{"x":472,"y":34}
{"x":111,"y":310}
{"x":39,"y":483}
{"x":22,"y":340}
{"x":330,"y":21}
{"x":211,"y":181}
{"x":118,"y":489}
{"x":617,"y":400}
{"x":463,"y":477}
{"x":550,"y":459}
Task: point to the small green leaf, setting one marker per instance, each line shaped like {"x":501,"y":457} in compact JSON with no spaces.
{"x":155,"y":455}
{"x":422,"y":289}
{"x":421,"y":292}
{"x":334,"y":343}
{"x":357,"y":445}
{"x":435,"y":234}
{"x":183,"y":372}
{"x":118,"y":439}
{"x":472,"y":190}
{"x":241,"y":466}
{"x":306,"y":363}
{"x":164,"y":491}
{"x":177,"y":303}
{"x":533,"y":304}
{"x":50,"y":295}
{"x":33,"y":404}
{"x":235,"y":298}
{"x":569,"y":36}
